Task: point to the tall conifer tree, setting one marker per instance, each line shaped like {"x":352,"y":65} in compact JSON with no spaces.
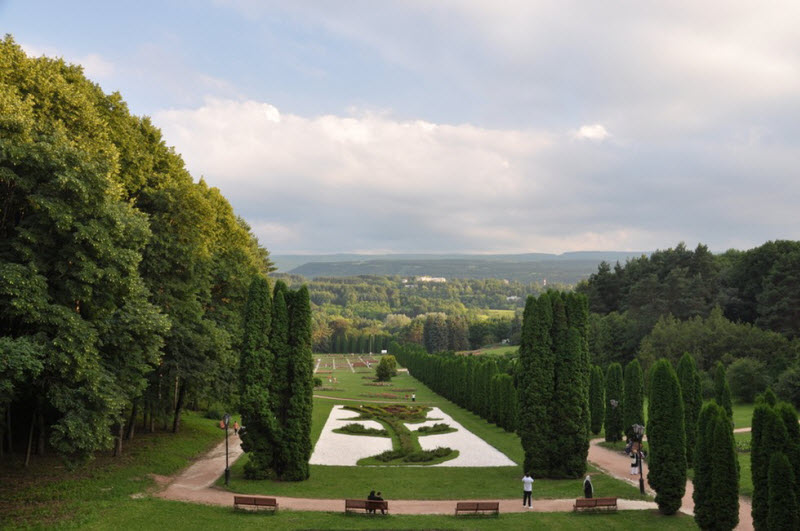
{"x":614,"y":405}
{"x":667,"y":438}
{"x":255,"y":374}
{"x":536,"y":384}
{"x":724,"y":474}
{"x":633,"y":403}
{"x":692,"y":400}
{"x":596,"y":399}
{"x":703,"y":469}
{"x":722,"y":391}
{"x":297,"y":430}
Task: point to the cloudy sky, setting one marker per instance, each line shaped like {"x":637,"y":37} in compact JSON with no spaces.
{"x":462,"y":126}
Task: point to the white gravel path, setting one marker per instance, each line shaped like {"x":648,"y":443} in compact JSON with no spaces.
{"x":473,"y":451}
{"x":339,"y":449}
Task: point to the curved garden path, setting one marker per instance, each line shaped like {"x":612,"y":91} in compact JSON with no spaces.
{"x":196,"y":485}
{"x":618,"y":465}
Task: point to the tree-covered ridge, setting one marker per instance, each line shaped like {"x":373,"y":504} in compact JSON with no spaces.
{"x":122,"y":280}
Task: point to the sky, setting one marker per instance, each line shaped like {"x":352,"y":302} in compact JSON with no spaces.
{"x":462,"y":126}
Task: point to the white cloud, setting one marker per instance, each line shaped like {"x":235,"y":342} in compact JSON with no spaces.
{"x":592,"y":132}
{"x":370,"y":181}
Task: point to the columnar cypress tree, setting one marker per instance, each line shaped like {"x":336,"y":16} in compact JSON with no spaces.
{"x":724,"y":475}
{"x":633,"y":403}
{"x":667,"y":438}
{"x":768,"y":436}
{"x":297,"y":430}
{"x":614,"y":394}
{"x":596,"y":399}
{"x":279,"y":383}
{"x":722,"y":391}
{"x":769,"y":397}
{"x":570,"y":434}
{"x":536,"y":384}
{"x":578,"y":318}
{"x":782,"y":512}
{"x":692,"y":400}
{"x":789,"y":416}
{"x":255,"y":373}
{"x":703,"y":468}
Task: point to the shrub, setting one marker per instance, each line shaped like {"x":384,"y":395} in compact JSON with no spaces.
{"x":782,"y":512}
{"x":359,"y":429}
{"x":317,"y":382}
{"x":439,"y":427}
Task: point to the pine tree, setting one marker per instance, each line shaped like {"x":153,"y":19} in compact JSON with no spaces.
{"x":613,"y":402}
{"x":596,"y":399}
{"x":724,"y":475}
{"x":722,"y":391}
{"x":782,"y":512}
{"x":769,"y":397}
{"x":703,"y":467}
{"x":633,"y":403}
{"x":255,"y":374}
{"x":667,"y":438}
{"x":536,"y":384}
{"x":692,"y":400}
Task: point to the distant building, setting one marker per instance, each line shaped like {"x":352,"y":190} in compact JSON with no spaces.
{"x":512,"y":298}
{"x":431,"y":279}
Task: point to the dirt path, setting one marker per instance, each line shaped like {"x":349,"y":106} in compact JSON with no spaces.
{"x":195,"y":485}
{"x":618,"y":465}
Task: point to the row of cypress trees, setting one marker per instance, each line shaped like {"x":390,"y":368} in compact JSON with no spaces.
{"x":553,"y":385}
{"x":775,"y":464}
{"x":478,"y":383}
{"x":276,"y":371}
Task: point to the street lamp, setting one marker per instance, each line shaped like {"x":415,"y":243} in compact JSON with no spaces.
{"x":638,"y":430}
{"x":226,"y":420}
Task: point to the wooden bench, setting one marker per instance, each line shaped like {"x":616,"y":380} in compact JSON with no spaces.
{"x":370,"y":506}
{"x":595,"y":504}
{"x":478,"y":507}
{"x":257,"y":502}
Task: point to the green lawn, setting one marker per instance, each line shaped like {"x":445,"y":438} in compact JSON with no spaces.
{"x":742,"y":415}
{"x":500,"y":351}
{"x":47,"y":492}
{"x":156,"y":514}
{"x":421,"y":482}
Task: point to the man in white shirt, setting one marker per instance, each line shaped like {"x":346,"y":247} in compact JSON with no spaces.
{"x":527,"y":489}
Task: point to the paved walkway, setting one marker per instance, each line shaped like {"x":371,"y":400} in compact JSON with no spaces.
{"x":196,"y":485}
{"x":618,"y":465}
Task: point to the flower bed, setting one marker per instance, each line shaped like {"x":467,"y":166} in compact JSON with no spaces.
{"x":380,"y":395}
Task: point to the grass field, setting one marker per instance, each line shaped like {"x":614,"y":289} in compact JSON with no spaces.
{"x":47,"y":492}
{"x":151,"y":513}
{"x":418,"y":482}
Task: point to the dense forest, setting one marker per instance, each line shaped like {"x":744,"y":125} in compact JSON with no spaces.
{"x":122,"y":279}
{"x":739,"y":307}
{"x":362,"y":313}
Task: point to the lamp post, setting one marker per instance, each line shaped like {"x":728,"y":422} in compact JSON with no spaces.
{"x":226,"y":420}
{"x":638,"y":430}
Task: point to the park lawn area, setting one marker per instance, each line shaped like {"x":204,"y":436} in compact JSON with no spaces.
{"x":151,"y":513}
{"x":499,"y":351}
{"x":424,"y":482}
{"x":47,"y":493}
{"x":742,"y":415}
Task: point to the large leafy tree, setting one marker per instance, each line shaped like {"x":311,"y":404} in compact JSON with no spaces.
{"x":667,"y":438}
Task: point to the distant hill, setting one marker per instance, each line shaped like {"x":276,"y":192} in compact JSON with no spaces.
{"x":567,"y":268}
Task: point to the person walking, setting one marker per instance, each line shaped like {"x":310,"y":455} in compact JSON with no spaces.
{"x":588,"y":490}
{"x":527,"y":489}
{"x":235,"y":427}
{"x":634,"y":463}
